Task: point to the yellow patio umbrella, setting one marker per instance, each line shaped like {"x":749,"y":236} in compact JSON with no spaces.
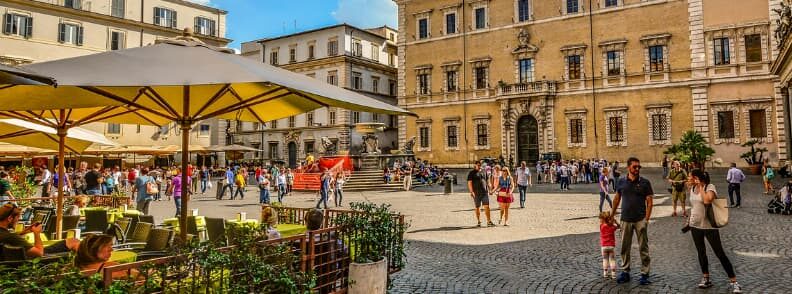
{"x":187,"y":81}
{"x":25,"y":133}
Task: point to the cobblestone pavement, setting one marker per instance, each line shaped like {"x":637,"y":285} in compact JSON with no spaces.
{"x":552,"y":245}
{"x":758,"y":244}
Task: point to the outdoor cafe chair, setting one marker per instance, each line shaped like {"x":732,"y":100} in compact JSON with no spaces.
{"x":158,"y":242}
{"x":96,"y":221}
{"x":124,"y":225}
{"x":139,"y":237}
{"x":192,"y":228}
{"x":70,"y":222}
{"x":147,"y":219}
{"x":117,"y":232}
{"x":215,"y":230}
{"x":13,"y":253}
{"x":134,"y":219}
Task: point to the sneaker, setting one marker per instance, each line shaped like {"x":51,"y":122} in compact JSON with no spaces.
{"x":490,"y":224}
{"x":644,"y":280}
{"x":624,"y":277}
{"x":735,"y":287}
{"x":704,"y":283}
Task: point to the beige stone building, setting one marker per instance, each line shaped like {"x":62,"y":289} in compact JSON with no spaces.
{"x":360,"y":60}
{"x":600,"y":79}
{"x":42,"y":30}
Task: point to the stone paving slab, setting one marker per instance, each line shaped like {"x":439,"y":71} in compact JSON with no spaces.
{"x":552,"y":246}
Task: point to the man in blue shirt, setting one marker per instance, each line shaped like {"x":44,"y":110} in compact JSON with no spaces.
{"x":324,"y":189}
{"x":735,"y":177}
{"x":229,"y":183}
{"x":637,"y":193}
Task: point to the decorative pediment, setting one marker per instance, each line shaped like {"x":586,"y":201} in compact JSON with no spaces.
{"x":656,"y":39}
{"x":524,"y":48}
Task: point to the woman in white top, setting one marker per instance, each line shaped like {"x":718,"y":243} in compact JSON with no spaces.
{"x":702,"y":194}
{"x":339,"y":188}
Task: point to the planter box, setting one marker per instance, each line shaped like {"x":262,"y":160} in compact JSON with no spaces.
{"x":368,"y":278}
{"x":755,"y":169}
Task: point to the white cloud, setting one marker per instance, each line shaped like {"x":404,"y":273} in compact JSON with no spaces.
{"x":367,"y":13}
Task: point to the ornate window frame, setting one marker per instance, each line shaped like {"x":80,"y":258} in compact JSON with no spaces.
{"x":447,"y":122}
{"x":768,"y":109}
{"x":656,"y":40}
{"x":420,"y":70}
{"x":420,"y":16}
{"x":664,"y":109}
{"x":576,"y":114}
{"x":517,"y":12}
{"x":616,"y":112}
{"x":451,"y":9}
{"x":485,"y":120}
{"x":424,"y":123}
{"x":564,"y":11}
{"x":451,"y":66}
{"x":735,"y":109}
{"x":476,"y":5}
{"x":618,"y":46}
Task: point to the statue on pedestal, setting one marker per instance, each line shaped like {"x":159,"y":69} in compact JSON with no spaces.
{"x":408,"y":147}
{"x":328,"y":147}
{"x":371,"y":144}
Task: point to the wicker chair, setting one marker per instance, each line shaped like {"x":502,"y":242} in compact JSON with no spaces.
{"x":138,"y":238}
{"x":13,"y":253}
{"x":135,"y":218}
{"x":158,"y":242}
{"x":96,"y":221}
{"x":147,"y":219}
{"x":215,"y":229}
{"x":192,"y":228}
{"x":70,"y":222}
{"x":124,"y":224}
{"x":116,"y":231}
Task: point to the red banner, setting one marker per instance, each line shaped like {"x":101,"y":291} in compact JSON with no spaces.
{"x":336,"y":162}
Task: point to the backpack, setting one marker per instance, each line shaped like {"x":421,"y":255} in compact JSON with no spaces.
{"x":770,"y":174}
{"x":151,"y":187}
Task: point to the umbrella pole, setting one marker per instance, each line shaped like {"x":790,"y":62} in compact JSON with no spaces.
{"x":186,"y":125}
{"x":61,"y":174}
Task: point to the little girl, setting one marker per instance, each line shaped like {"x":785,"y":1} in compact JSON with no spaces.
{"x":608,"y":228}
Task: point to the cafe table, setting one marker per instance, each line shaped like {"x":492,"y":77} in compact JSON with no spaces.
{"x":112,"y":213}
{"x":123,"y":256}
{"x":251,"y":223}
{"x":174,"y":222}
{"x":288,"y":230}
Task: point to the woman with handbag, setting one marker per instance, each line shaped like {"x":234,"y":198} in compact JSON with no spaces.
{"x":505,"y":197}
{"x":700,"y":223}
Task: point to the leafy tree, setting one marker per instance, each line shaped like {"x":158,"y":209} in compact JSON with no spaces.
{"x":691,"y":149}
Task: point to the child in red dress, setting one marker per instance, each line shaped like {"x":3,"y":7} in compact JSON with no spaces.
{"x":608,"y":228}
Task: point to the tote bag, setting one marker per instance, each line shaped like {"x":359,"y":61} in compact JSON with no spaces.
{"x":718,"y":212}
{"x":152,"y":187}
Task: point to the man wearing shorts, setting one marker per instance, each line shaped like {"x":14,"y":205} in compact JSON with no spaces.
{"x":677,"y":178}
{"x":477,"y":185}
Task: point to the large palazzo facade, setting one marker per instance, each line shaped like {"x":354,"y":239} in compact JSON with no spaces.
{"x":608,"y":79}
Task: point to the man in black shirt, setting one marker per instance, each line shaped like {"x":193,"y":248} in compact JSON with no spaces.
{"x":92,"y":181}
{"x":9,"y":217}
{"x":637,"y":193}
{"x":477,"y":185}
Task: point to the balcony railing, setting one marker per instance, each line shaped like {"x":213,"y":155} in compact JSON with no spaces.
{"x":538,"y":87}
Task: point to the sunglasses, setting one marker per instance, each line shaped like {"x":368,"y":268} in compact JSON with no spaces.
{"x":638,"y":167}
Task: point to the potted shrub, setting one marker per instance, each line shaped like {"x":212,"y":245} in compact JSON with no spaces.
{"x":755,"y":157}
{"x":692,"y":149}
{"x":373,"y":233}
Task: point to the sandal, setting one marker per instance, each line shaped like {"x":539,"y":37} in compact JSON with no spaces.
{"x":490,"y":224}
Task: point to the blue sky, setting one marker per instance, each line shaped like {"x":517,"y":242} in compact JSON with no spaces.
{"x":254,"y":19}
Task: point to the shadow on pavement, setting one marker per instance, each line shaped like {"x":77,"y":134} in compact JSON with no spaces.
{"x":444,"y":229}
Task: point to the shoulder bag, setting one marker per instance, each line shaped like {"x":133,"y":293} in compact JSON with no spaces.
{"x":151,"y":187}
{"x":718,"y":212}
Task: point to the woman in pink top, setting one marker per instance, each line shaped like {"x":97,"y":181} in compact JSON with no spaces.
{"x":608,"y":228}
{"x":176,"y":189}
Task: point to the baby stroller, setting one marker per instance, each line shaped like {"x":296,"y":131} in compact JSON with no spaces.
{"x":782,"y":202}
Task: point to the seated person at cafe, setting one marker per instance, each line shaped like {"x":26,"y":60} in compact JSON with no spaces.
{"x":94,"y":254}
{"x":270,"y":220}
{"x":74,"y":209}
{"x":9,"y":217}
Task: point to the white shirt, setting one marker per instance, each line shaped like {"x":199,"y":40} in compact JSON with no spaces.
{"x":564,"y":171}
{"x":522,"y":175}
{"x":117,"y":177}
{"x":45,"y":177}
